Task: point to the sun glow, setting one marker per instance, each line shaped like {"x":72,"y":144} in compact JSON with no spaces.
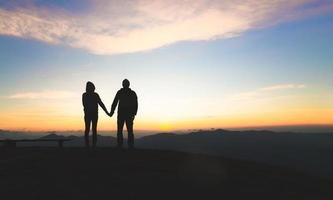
{"x":193,"y":64}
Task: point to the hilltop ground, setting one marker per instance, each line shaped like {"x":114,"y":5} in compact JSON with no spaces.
{"x":77,"y":173}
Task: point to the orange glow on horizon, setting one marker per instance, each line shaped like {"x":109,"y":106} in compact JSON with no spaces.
{"x":65,"y":123}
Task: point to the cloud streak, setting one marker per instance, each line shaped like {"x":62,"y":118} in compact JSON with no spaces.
{"x":266,"y":90}
{"x":283,"y":87}
{"x":112,"y":27}
{"x":47,"y":94}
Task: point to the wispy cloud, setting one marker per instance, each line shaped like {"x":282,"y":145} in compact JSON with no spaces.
{"x":111,"y":27}
{"x":283,"y":87}
{"x":47,"y":94}
{"x":260,"y":92}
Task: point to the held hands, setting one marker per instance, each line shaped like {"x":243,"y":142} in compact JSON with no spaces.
{"x":109,"y":114}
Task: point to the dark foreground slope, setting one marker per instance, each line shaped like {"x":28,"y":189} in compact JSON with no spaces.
{"x":307,"y":152}
{"x":76,"y":173}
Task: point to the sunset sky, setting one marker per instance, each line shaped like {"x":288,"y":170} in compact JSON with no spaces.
{"x":193,"y":64}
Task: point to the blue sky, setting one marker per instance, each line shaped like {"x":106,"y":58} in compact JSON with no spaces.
{"x":272,"y":70}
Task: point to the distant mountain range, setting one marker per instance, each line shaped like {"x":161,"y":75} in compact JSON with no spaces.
{"x":5,"y":134}
{"x":308,"y":152}
{"x":9,"y":134}
{"x":76,"y":141}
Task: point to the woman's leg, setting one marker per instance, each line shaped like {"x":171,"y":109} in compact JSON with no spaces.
{"x":94,"y":130}
{"x":87,"y":122}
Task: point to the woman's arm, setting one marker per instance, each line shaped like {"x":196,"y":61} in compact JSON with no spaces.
{"x":102,"y":105}
{"x":83,"y":100}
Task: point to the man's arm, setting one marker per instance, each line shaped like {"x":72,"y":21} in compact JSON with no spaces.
{"x":114,"y":103}
{"x":102,"y":105}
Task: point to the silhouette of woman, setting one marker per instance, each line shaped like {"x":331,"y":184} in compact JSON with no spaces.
{"x":90,"y":101}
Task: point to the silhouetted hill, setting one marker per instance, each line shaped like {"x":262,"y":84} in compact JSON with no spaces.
{"x":103,"y":141}
{"x":307,"y":152}
{"x":52,"y":136}
{"x":5,"y":134}
{"x":302,"y":151}
{"x":159,"y":136}
{"x":77,"y":141}
{"x":73,"y":137}
{"x":106,"y":173}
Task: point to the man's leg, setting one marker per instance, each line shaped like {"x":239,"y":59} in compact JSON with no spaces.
{"x":94,"y":130}
{"x":87,"y":122}
{"x":120,"y":126}
{"x":129,"y":126}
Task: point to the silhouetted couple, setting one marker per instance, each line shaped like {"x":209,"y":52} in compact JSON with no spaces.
{"x":127,"y":102}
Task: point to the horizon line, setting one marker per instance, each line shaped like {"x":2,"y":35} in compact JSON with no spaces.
{"x":175,"y":130}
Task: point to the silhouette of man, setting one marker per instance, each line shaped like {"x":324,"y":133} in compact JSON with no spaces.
{"x":127,"y":109}
{"x":90,"y":101}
